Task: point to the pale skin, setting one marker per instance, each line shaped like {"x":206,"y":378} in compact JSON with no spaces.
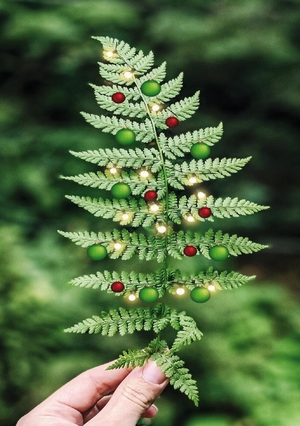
{"x":101,"y":397}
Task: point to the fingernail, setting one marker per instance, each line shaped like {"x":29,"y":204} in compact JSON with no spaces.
{"x":153,"y":374}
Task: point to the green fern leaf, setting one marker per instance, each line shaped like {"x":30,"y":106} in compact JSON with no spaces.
{"x":180,"y":378}
{"x":179,"y":145}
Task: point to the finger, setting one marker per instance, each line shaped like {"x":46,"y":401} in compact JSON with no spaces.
{"x":88,"y":388}
{"x":133,"y":397}
{"x":93,"y":411}
{"x":149,"y":413}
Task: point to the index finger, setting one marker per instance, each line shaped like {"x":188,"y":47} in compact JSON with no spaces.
{"x":85,"y":390}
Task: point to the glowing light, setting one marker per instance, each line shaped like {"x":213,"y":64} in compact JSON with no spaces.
{"x":155,"y":108}
{"x":201,"y":195}
{"x":125,"y":216}
{"x":211,"y":287}
{"x":190,"y":218}
{"x":128,"y":75}
{"x":161,"y":229}
{"x":132,"y":297}
{"x":113,"y":170}
{"x":108,"y":54}
{"x":144,"y":174}
{"x":180,"y":291}
{"x":192,"y":180}
{"x":154,"y":208}
{"x":117,"y":246}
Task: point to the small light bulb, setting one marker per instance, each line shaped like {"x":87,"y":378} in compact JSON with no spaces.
{"x":190,"y":218}
{"x":113,"y":170}
{"x":109,"y":54}
{"x":161,"y":229}
{"x":180,"y":291}
{"x":144,"y":174}
{"x":154,"y":208}
{"x":192,"y":180}
{"x":128,"y":75}
{"x":117,"y":246}
{"x":132,"y":297}
{"x":201,"y":195}
{"x":125,"y":216}
{"x":155,"y":107}
{"x":211,"y":287}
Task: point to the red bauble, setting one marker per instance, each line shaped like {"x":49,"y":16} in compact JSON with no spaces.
{"x":118,"y":98}
{"x":190,"y":251}
{"x":204,"y":212}
{"x":117,"y":287}
{"x":172,"y":122}
{"x":150,"y":195}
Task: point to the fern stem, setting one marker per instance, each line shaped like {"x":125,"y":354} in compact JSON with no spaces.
{"x":166,"y":215}
{"x":166,"y":212}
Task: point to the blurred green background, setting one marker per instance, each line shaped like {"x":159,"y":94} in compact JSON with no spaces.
{"x":244,"y":56}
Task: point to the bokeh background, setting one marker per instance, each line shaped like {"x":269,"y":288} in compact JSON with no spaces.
{"x":244,"y":56}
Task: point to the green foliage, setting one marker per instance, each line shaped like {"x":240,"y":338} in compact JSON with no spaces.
{"x":246,"y":60}
{"x":159,"y":169}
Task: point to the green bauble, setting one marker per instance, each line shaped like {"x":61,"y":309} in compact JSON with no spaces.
{"x":125,"y":136}
{"x":150,"y":88}
{"x":148,"y":294}
{"x":219,"y":252}
{"x":200,"y":294}
{"x":200,"y":150}
{"x":97,"y":252}
{"x":120,"y":190}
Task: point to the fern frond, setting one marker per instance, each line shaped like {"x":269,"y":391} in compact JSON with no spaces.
{"x":182,"y":109}
{"x":131,"y":158}
{"x":179,"y":145}
{"x":179,"y":174}
{"x":132,"y":281}
{"x":126,"y":108}
{"x":158,"y":74}
{"x":152,"y":247}
{"x":189,"y":332}
{"x":170,"y":89}
{"x":131,"y":93}
{"x":130,"y":359}
{"x":162,"y":159}
{"x":203,"y":242}
{"x":180,"y":377}
{"x":138,"y":357}
{"x":131,"y":211}
{"x":124,"y":321}
{"x":179,"y":208}
{"x":143,"y":131}
{"x":221,"y":280}
{"x":100,"y":180}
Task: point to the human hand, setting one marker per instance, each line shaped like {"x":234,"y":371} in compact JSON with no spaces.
{"x":101,"y":397}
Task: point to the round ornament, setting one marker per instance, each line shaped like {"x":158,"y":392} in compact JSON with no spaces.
{"x":219,"y":252}
{"x":200,"y":294}
{"x":120,"y":190}
{"x":150,"y":195}
{"x":204,"y":212}
{"x":125,"y":136}
{"x":190,"y":251}
{"x":117,"y":287}
{"x":148,"y":294}
{"x":118,"y":97}
{"x":97,"y":252}
{"x":150,"y":88}
{"x":200,"y":150}
{"x":172,"y":122}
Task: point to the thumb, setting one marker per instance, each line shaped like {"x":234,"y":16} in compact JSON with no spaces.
{"x":133,"y":396}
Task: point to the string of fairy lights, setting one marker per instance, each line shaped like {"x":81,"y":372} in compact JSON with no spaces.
{"x":121,"y":190}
